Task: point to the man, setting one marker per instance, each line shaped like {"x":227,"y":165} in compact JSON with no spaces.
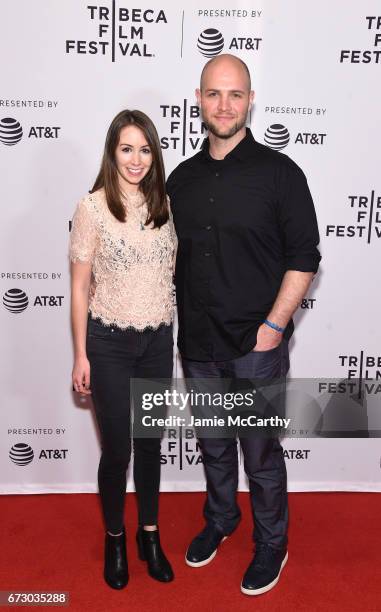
{"x":247,"y":253}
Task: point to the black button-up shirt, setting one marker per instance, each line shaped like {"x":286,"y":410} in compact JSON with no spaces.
{"x":241,"y":223}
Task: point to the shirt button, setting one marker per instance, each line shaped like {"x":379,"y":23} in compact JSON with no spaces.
{"x":211,"y":200}
{"x":217,"y":174}
{"x":208,"y":227}
{"x":207,"y":254}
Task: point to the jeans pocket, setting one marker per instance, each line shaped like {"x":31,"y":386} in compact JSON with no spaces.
{"x":267,"y":364}
{"x":166,"y":331}
{"x":97,"y":330}
{"x":269,"y":352}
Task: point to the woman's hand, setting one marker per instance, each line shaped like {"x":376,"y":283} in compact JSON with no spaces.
{"x":81,"y":376}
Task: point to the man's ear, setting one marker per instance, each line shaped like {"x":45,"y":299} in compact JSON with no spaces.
{"x":251,"y":98}
{"x":198,"y":96}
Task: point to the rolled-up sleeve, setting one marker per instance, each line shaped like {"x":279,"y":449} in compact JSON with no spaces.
{"x":83,"y":235}
{"x":297,"y":220}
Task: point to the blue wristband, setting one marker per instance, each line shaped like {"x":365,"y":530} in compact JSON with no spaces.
{"x":274,"y":326}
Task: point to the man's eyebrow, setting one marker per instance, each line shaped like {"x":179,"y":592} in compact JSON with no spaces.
{"x":229,"y":90}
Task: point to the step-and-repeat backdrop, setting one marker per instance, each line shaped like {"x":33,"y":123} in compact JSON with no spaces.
{"x":68,"y":67}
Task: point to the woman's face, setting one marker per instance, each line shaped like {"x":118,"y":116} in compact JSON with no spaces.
{"x":133,"y":158}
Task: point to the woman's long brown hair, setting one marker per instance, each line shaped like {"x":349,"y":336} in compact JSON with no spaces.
{"x":153,"y":184}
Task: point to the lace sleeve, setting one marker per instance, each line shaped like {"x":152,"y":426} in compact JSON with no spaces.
{"x":83,"y":234}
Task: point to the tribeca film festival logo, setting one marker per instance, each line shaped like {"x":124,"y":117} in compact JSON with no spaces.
{"x":186,"y":130}
{"x":22,"y":454}
{"x":277,"y":137}
{"x":16,"y":301}
{"x":11,"y":131}
{"x":368,"y":56}
{"x":119,"y":31}
{"x":211,"y":43}
{"x":180,"y":448}
{"x":361,"y":366}
{"x":367,"y":212}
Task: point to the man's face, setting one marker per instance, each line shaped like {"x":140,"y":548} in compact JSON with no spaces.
{"x":225,"y":98}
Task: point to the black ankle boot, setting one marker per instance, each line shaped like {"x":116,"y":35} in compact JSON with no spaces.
{"x":116,"y":568}
{"x":150,"y":550}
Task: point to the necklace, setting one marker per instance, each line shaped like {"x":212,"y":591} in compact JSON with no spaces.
{"x":142,"y":226}
{"x":132,"y":197}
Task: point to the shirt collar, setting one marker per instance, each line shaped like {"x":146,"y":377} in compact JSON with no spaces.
{"x":242,"y":151}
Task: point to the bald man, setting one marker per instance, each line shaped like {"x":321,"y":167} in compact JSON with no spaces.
{"x":247,"y":253}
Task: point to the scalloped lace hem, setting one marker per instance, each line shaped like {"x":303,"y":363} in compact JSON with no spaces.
{"x":130,"y":325}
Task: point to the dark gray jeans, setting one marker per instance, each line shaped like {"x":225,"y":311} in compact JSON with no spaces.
{"x":263,"y":456}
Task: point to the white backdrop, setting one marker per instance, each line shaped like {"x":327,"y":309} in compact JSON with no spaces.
{"x":69,"y":67}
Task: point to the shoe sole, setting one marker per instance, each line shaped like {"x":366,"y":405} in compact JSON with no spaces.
{"x":269,"y":586}
{"x":205,"y":561}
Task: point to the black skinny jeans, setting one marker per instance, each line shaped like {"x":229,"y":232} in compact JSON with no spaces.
{"x":115,"y":357}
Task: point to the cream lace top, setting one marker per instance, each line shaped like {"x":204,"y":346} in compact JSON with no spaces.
{"x":132,"y":268}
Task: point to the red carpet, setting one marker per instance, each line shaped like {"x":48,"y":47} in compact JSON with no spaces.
{"x":55,"y":542}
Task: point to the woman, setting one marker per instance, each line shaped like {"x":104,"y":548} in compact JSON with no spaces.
{"x":122,"y":250}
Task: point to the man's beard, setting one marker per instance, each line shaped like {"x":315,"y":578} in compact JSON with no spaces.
{"x":213,"y":129}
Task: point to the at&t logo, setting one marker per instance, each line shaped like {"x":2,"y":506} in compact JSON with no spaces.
{"x":22,"y":454}
{"x":16,"y":300}
{"x":211,"y":42}
{"x":277,"y":137}
{"x":367,"y":211}
{"x":296,"y":454}
{"x":11,"y":131}
{"x":308,"y":303}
